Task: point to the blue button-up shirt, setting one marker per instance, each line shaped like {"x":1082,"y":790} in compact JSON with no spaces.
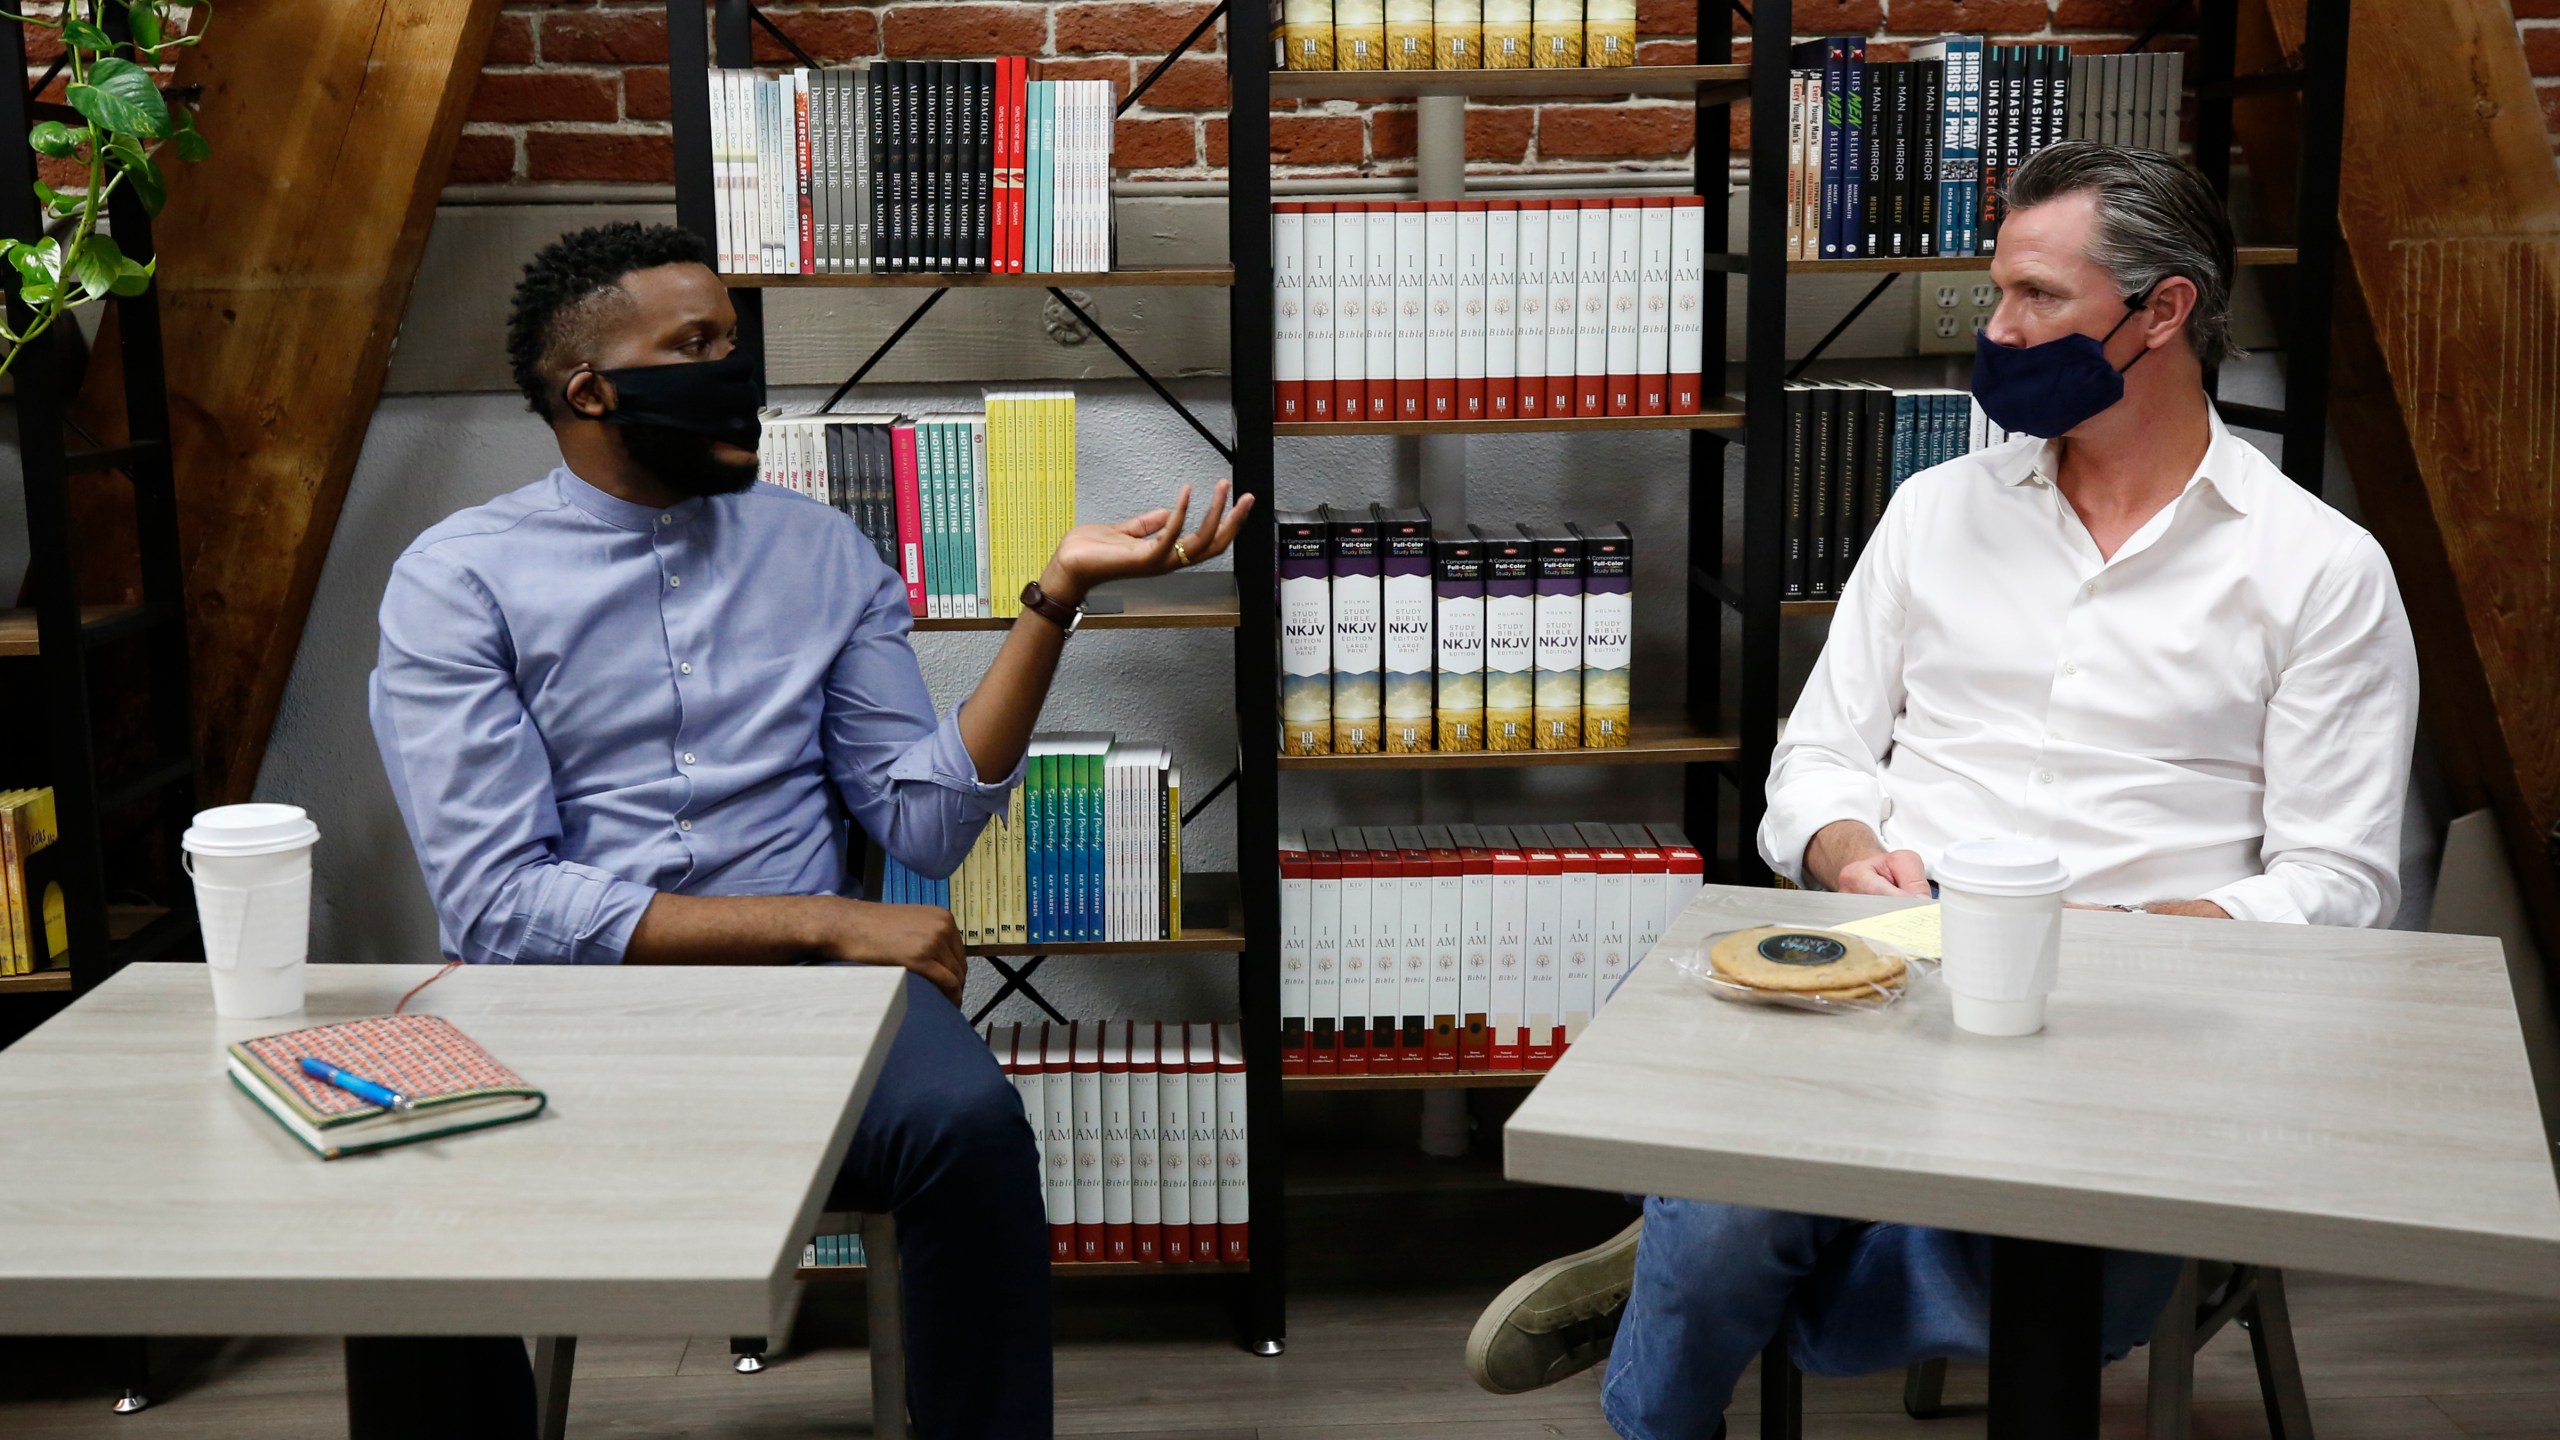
{"x":582,"y":702}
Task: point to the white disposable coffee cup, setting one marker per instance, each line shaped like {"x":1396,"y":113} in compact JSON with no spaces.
{"x":252,"y":870}
{"x":2000,"y":930}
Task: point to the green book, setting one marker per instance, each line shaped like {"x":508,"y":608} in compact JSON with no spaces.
{"x":937,"y":566}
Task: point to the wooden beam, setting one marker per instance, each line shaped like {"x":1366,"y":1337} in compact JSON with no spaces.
{"x":2447,"y":378}
{"x":285,"y":265}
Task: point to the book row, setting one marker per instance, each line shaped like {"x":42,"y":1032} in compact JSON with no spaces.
{"x":1090,"y":848}
{"x":27,"y":825}
{"x":832,"y":1251}
{"x":911,"y":166}
{"x":1142,"y":1129}
{"x":1912,"y":158}
{"x":1395,"y":641}
{"x":1488,"y":309}
{"x":1850,"y":445}
{"x":1446,"y":948}
{"x":967,"y":508}
{"x":1454,"y":34}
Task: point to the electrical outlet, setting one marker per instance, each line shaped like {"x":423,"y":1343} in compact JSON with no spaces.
{"x":1953,"y":305}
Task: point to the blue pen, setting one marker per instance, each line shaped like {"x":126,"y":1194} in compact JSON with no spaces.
{"x":369,"y":1091}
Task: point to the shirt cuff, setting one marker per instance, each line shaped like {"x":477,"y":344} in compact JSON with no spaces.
{"x":2265,"y":898}
{"x":944,"y":760}
{"x":583,"y":916}
{"x":1798,"y":812}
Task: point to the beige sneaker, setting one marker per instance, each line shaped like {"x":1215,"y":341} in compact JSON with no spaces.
{"x":1556,"y":1320}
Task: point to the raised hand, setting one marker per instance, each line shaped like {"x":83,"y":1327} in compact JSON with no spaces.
{"x":1149,"y":544}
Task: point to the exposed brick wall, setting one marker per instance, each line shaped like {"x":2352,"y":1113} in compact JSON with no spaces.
{"x":2539,"y":22}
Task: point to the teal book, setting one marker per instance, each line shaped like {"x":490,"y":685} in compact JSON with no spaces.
{"x":1094,"y":862}
{"x":942,"y":518}
{"x":1035,"y":841}
{"x":1043,"y":140}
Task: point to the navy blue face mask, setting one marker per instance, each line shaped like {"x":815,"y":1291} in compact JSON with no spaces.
{"x":2050,"y":389}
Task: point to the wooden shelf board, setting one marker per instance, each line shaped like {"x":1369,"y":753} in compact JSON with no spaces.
{"x":1201,"y":600}
{"x":1658,"y":740}
{"x":1807,"y":607}
{"x":18,"y":627}
{"x":2244,"y":255}
{"x":41,"y":982}
{"x":1727,"y":416}
{"x":1219,"y":276}
{"x":1462,"y":1080}
{"x":1584,"y":80}
{"x":1196,"y":940}
{"x":1073,"y":1269}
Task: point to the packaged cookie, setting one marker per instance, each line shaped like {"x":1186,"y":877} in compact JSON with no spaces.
{"x":1800,"y":967}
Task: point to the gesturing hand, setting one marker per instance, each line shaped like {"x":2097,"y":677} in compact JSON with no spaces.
{"x":1149,"y":544}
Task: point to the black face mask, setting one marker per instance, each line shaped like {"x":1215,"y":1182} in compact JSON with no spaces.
{"x":671,"y":415}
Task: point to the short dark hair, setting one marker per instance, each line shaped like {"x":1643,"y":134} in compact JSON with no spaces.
{"x":2157,"y":217}
{"x":566,"y":277}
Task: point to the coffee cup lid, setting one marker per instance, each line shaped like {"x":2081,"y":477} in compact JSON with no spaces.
{"x":2002,"y":865}
{"x":250,"y":830}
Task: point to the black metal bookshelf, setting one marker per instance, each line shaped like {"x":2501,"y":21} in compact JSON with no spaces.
{"x":56,"y":651}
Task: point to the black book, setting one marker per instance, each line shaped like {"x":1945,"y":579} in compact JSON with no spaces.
{"x":1823,"y":451}
{"x":1987,"y":153}
{"x":948,"y":128}
{"x":1875,"y":485}
{"x":983,"y":171}
{"x":1799,"y":462}
{"x":881,"y":254}
{"x":911,"y":88}
{"x":890,"y":182}
{"x":1872,"y":164}
{"x":2057,"y":126}
{"x":1930,"y":106}
{"x":2039,"y":99}
{"x":929,"y":165}
{"x":1898,"y":131}
{"x":1848,"y":462}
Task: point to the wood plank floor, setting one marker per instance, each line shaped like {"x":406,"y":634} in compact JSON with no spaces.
{"x":1390,"y":1282}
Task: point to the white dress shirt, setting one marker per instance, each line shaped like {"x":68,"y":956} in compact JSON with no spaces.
{"x":2223,"y":711}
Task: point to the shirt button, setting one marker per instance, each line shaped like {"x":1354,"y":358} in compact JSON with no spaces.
{"x":2045,"y":775}
{"x":685,"y":669}
{"x":2070,"y":669}
{"x":666,"y":519}
{"x":684,"y":825}
{"x":688,"y":757}
{"x":2089,"y":589}
{"x":675,"y":581}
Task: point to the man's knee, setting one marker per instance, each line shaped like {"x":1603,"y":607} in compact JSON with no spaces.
{"x":1706,"y":1228}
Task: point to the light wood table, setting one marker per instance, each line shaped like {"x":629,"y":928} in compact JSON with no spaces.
{"x":2346,"y":1100}
{"x":697,"y":1116}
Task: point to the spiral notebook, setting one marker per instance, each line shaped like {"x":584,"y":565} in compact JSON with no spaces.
{"x":454,"y":1085}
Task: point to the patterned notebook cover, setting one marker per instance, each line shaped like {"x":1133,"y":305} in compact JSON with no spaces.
{"x":422,"y":1056}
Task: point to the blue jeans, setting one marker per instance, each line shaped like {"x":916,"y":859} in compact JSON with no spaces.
{"x":1714,"y":1284}
{"x":944,"y":1147}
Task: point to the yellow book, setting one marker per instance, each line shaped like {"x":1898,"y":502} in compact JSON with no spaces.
{"x":1359,"y":34}
{"x":1507,"y":35}
{"x":1409,"y":35}
{"x":1017,"y":894}
{"x":1004,"y":445}
{"x":1173,"y":852}
{"x":1608,"y":32}
{"x":1556,"y":31}
{"x":40,"y":829}
{"x":1306,"y":35}
{"x":1457,"y":34}
{"x":12,"y":951}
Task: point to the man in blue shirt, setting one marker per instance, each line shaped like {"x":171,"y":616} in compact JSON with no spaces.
{"x":629,"y":709}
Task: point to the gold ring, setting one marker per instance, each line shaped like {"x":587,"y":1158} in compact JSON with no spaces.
{"x":1181,"y":554}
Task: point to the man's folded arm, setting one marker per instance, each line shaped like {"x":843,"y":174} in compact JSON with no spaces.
{"x":2340,"y":729}
{"x":907,"y":778}
{"x":473,"y":783}
{"x":1828,"y":766}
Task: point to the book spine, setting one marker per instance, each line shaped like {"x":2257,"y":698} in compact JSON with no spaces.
{"x":1799,"y":475}
{"x":1306,"y":638}
{"x":1204,"y":1144}
{"x":982,"y":167}
{"x":1058,"y":1086}
{"x":1351,"y":1008}
{"x":1529,"y":349}
{"x":902,"y":441}
{"x":1118,"y":1212}
{"x":1688,"y":337}
{"x":1458,"y":615}
{"x":1457,"y":34}
{"x":1322,"y":236}
{"x":1406,"y":657}
{"x":1501,"y":310}
{"x":1357,"y":702}
{"x":1440,"y":312}
{"x":1447,"y":952}
{"x":1378,"y":230}
{"x":1796,"y":105}
{"x":1350,"y":311}
{"x":1576,"y":939}
{"x":1510,"y":951}
{"x":1542,"y":948}
{"x":1564,"y":308}
{"x":1235,"y":1192}
{"x":1835,"y":144}
{"x":1653,"y":308}
{"x":1173,"y":1142}
{"x":1625,"y":344}
{"x":1855,"y":118}
{"x":1557,"y":706}
{"x":1146,"y":1175}
{"x":1289,"y":328}
{"x":1413,"y":1042}
{"x":1928,"y":156}
{"x":1591,"y":322}
{"x":1510,"y":647}
{"x":1324,"y":955}
{"x":1296,"y":952}
{"x":1474,"y":231}
{"x":1475,"y":950}
{"x":1608,"y":638}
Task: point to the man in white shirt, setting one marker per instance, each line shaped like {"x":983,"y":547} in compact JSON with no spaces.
{"x":2137,"y":642}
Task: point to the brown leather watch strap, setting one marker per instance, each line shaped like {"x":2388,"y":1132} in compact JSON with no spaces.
{"x":1050,"y":608}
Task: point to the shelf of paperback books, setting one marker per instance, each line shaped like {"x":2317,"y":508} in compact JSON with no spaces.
{"x":1190,"y":601}
{"x":1666,"y":739}
{"x":1068,"y":1270}
{"x":2244,"y":255}
{"x":1192,"y":941}
{"x":1474,"y":1080}
{"x":1725,"y":416}
{"x":1679,"y":80}
{"x":930,"y":280}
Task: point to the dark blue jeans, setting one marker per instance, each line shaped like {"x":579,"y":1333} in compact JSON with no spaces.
{"x":944,"y":1147}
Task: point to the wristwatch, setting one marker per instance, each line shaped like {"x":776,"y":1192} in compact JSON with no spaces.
{"x":1052,"y":609}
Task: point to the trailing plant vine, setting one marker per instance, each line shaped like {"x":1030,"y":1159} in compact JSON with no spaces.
{"x":122,"y":123}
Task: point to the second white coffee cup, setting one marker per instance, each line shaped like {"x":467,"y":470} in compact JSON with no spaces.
{"x":252,"y":870}
{"x":2000,"y":927}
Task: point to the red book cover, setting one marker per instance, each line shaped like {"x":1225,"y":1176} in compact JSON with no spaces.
{"x":1475,"y":1041}
{"x":1685,"y":871}
{"x":1591,"y":392}
{"x":1653,"y":391}
{"x":1510,"y":868}
{"x":1021,"y":102}
{"x":1088,"y":1140}
{"x":808,"y":213}
{"x":1000,"y":172}
{"x":1146,"y":1144}
{"x":1413,"y":1043}
{"x":1205,"y":1150}
{"x":1296,"y":868}
{"x":902,"y":462}
{"x":1529,"y":365}
{"x":1412,"y":221}
{"x":1441,"y":1052}
{"x":1324,"y":1040}
{"x":1361,"y":868}
{"x":1540,"y":1044}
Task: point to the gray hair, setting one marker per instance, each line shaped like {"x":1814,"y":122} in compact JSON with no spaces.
{"x":2156,"y":218}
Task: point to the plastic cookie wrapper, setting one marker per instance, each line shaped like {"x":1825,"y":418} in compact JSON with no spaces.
{"x":1694,"y":961}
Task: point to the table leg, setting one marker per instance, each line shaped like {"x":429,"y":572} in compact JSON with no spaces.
{"x":438,"y":1388}
{"x":2045,"y":1352}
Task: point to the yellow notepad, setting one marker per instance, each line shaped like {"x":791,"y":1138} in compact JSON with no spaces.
{"x":1915,"y":930}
